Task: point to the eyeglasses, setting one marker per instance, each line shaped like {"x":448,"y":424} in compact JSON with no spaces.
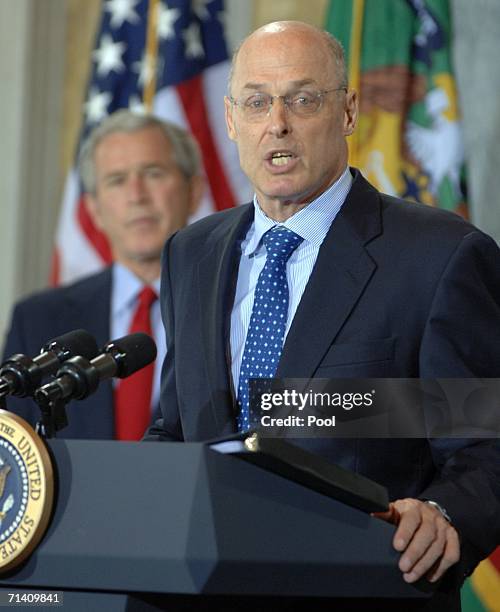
{"x":303,"y":103}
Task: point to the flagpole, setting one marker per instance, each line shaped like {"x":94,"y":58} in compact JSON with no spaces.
{"x":151,"y":58}
{"x":355,"y":70}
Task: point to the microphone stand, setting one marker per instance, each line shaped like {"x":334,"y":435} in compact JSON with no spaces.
{"x":4,"y":392}
{"x":53,"y":417}
{"x":81,"y":379}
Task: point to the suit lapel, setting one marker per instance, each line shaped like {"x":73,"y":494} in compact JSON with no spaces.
{"x":217,"y":275}
{"x":341,"y":273}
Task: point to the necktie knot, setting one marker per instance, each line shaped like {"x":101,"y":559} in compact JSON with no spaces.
{"x":147,"y":296}
{"x":280,"y":242}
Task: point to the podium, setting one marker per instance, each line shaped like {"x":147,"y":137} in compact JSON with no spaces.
{"x":148,"y":526}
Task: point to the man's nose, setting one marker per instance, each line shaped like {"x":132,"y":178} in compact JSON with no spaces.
{"x":279,"y":118}
{"x":136,"y":187}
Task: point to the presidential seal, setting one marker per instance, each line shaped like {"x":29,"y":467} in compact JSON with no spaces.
{"x":26,"y":490}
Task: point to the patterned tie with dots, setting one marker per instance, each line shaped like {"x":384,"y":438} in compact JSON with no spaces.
{"x":266,"y":330}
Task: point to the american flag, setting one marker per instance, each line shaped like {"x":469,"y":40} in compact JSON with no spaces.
{"x":188,"y":65}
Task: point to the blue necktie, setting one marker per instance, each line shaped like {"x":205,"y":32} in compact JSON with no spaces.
{"x":266,"y":330}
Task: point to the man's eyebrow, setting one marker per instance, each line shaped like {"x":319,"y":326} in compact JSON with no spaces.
{"x":255,"y":86}
{"x":113,"y":173}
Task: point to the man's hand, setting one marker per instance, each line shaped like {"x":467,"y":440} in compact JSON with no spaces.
{"x":429,"y":543}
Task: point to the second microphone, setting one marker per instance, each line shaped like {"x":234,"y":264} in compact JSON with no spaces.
{"x":78,"y":377}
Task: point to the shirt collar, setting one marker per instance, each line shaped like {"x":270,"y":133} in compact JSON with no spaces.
{"x":125,"y":287}
{"x":311,"y":222}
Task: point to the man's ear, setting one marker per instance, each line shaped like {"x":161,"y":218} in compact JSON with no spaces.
{"x":350,"y":112}
{"x":93,"y":210}
{"x":228,"y":111}
{"x":197,"y":189}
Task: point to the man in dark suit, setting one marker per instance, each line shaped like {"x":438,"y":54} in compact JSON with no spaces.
{"x":142,"y":178}
{"x":377,"y":287}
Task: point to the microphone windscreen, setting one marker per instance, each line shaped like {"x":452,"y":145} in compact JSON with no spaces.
{"x":132,"y":353}
{"x":76,"y":342}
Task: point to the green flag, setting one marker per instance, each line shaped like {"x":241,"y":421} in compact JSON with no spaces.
{"x":408,"y":140}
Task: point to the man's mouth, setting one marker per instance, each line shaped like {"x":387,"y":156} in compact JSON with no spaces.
{"x":139,"y":221}
{"x":281,"y":159}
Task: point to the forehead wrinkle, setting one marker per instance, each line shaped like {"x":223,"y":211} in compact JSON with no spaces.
{"x":126,"y":169}
{"x":293,"y":83}
{"x":260,"y":73}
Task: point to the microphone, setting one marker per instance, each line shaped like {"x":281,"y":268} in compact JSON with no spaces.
{"x":20,"y":375}
{"x":79,"y":377}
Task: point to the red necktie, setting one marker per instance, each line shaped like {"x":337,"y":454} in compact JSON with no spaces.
{"x":133,"y":394}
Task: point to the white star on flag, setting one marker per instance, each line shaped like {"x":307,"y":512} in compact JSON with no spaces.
{"x":199,"y":8}
{"x":192,"y":40}
{"x":109,"y":56}
{"x":121,"y":11}
{"x":146,"y":68}
{"x":166,"y":19}
{"x":136,"y":105}
{"x":96,"y":106}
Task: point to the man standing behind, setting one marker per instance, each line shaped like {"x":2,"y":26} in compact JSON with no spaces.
{"x":142,"y":180}
{"x":323,"y":276}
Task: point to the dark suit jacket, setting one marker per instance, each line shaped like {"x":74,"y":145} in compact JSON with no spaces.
{"x":398,"y":290}
{"x":45,"y":315}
